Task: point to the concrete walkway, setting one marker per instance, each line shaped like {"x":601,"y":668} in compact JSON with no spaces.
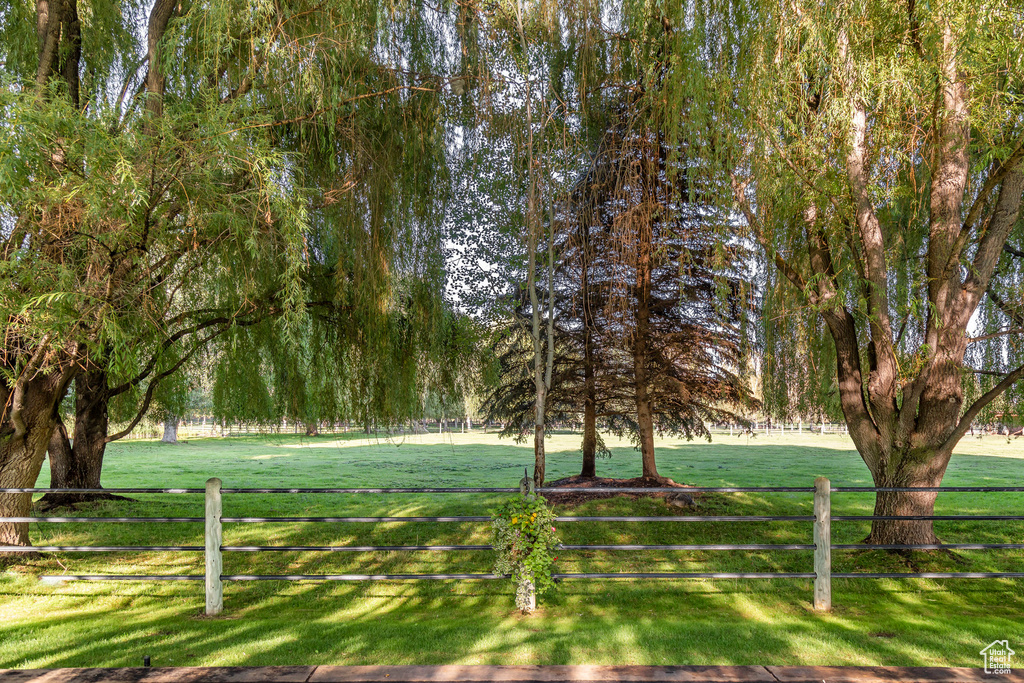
{"x":515,"y":674}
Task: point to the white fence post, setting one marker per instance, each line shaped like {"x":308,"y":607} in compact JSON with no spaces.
{"x":822,"y":544}
{"x":214,"y":539}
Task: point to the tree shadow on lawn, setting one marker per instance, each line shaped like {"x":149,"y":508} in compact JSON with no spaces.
{"x":439,"y":623}
{"x":616,"y":622}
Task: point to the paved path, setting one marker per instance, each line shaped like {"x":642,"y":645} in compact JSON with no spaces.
{"x":514,"y":674}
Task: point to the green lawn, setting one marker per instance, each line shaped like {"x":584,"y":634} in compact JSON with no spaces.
{"x":883,"y":622}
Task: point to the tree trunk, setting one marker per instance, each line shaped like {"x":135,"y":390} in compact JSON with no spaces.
{"x":78,"y":464}
{"x":170,"y":429}
{"x":538,"y":455}
{"x":589,"y":468}
{"x":925,"y":471}
{"x":20,"y":462}
{"x":645,"y":426}
{"x":644,"y":416}
{"x":311,"y":429}
{"x":27,"y":424}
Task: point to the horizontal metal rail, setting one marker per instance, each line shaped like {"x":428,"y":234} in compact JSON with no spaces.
{"x":354,"y":577}
{"x":691,"y":575}
{"x":542,"y":489}
{"x":404,"y":548}
{"x":677,"y":489}
{"x":928,"y":575}
{"x":123,"y":577}
{"x":354,"y":519}
{"x":615,"y":575}
{"x":708,"y":518}
{"x":718,"y":546}
{"x":927,"y":546}
{"x":98,"y":548}
{"x":399,"y":548}
{"x":853,"y":518}
{"x":462,"y":489}
{"x":667,"y":518}
{"x":128,"y":490}
{"x":103,"y":519}
{"x":345,"y":548}
{"x":552,"y":489}
{"x":927,"y":489}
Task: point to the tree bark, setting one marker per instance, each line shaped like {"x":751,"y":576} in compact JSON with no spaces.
{"x":909,"y":532}
{"x":311,"y":429}
{"x":589,"y":468}
{"x":29,"y":416}
{"x":641,"y":332}
{"x":170,"y":429}
{"x":20,"y":462}
{"x":539,"y":460}
{"x":923,"y":469}
{"x":78,"y":464}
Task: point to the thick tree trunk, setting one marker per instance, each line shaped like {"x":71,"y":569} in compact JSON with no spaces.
{"x":78,"y":464}
{"x":20,"y":462}
{"x":27,"y":424}
{"x":910,"y":532}
{"x":170,"y":429}
{"x":311,"y":429}
{"x":926,"y":471}
{"x":62,"y":458}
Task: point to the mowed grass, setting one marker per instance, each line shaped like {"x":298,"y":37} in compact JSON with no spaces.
{"x":874,"y":622}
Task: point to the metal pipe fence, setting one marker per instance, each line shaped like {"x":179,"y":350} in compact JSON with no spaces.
{"x":821,"y":519}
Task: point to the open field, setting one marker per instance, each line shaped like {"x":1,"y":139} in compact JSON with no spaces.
{"x":875,"y":622}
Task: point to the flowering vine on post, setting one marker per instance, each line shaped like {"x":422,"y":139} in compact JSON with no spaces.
{"x":524,"y":540}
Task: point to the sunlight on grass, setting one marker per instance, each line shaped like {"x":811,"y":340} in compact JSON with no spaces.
{"x":883,"y":622}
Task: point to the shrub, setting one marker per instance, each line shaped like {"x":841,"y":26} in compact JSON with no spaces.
{"x":524,"y":540}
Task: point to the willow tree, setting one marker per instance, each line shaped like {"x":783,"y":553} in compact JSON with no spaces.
{"x":178,"y":181}
{"x":874,"y":150}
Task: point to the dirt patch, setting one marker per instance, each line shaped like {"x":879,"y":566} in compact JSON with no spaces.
{"x":572,"y":498}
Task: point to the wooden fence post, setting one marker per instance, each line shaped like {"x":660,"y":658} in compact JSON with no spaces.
{"x":822,"y":544}
{"x":214,"y":539}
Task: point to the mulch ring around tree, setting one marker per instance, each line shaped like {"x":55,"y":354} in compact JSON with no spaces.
{"x":682,"y":499}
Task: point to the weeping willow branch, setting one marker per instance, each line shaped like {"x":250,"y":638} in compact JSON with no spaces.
{"x":979,"y":405}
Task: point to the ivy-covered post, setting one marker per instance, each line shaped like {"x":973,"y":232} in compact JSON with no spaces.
{"x":524,"y":542}
{"x":526,"y":591}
